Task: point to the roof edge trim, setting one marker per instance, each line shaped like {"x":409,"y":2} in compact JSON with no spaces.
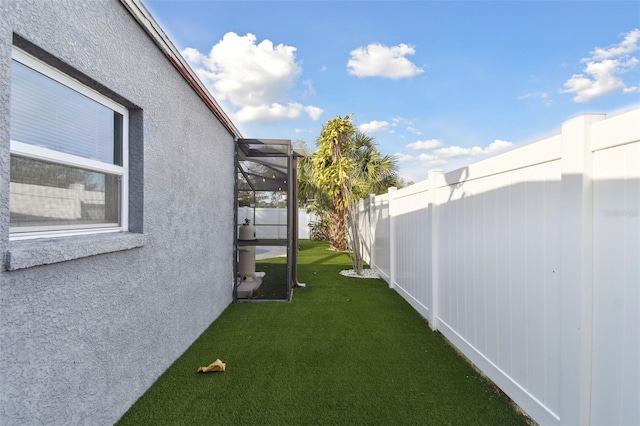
{"x":153,"y":29}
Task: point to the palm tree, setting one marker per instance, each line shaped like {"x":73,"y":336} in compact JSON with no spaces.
{"x":333,"y":165}
{"x":373,"y":174}
{"x":345,"y":167}
{"x":375,"y":171}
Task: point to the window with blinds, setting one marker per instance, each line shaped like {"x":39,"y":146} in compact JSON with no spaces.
{"x":69,"y":171}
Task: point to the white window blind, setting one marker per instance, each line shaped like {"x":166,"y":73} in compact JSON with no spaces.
{"x":48,"y":114}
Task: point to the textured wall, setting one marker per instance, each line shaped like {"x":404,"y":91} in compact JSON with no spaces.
{"x":82,"y":339}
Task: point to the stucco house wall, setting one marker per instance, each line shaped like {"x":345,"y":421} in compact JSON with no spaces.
{"x":88,"y":323}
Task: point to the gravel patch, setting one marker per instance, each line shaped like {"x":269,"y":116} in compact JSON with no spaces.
{"x":366,"y":273}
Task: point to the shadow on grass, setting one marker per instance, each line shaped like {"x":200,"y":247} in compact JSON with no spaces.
{"x":274,"y":283}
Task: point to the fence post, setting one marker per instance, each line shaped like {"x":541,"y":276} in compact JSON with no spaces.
{"x":434,"y":179}
{"x":392,"y":238}
{"x":372,"y":231}
{"x":576,"y":260}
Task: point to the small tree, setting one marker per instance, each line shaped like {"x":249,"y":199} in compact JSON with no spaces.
{"x":345,"y":167}
{"x":373,"y":174}
{"x":332,"y":168}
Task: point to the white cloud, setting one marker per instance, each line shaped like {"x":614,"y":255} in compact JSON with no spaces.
{"x":373,"y":126}
{"x":497,"y":145}
{"x":625,"y":47}
{"x":309,"y":91}
{"x":400,"y":120}
{"x":457,"y":151}
{"x":253,"y":77}
{"x":600,"y":80}
{"x":193,"y":56}
{"x":543,"y":97}
{"x":403,"y":158}
{"x":314,"y":112}
{"x":416,"y":167}
{"x":431,"y":160}
{"x":414,"y":130}
{"x":252,"y":74}
{"x":377,"y":60}
{"x":275,"y":112}
{"x":428,"y":144}
{"x":454,"y":151}
{"x":601,"y":73}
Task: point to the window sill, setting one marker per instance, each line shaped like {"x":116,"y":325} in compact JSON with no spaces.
{"x":29,"y":253}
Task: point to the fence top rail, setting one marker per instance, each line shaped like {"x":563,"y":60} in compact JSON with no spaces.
{"x":540,"y":152}
{"x":416,"y":188}
{"x":618,"y":130}
{"x":382,"y":198}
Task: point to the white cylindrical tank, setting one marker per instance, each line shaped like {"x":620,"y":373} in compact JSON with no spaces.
{"x":247,"y":231}
{"x":247,"y":263}
{"x":247,"y":254}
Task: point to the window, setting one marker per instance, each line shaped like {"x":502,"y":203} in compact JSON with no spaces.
{"x":69,"y":155}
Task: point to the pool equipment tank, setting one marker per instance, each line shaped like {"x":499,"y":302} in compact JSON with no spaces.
{"x":247,"y":254}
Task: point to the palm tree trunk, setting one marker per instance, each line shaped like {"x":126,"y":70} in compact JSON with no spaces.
{"x":337,"y":228}
{"x":354,"y":234}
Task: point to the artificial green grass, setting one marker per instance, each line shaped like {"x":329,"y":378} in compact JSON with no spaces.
{"x":344,"y":351}
{"x":274,"y":283}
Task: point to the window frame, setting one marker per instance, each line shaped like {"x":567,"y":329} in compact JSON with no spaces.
{"x":40,"y":153}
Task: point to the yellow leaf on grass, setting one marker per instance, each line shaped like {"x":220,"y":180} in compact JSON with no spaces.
{"x":216,"y":365}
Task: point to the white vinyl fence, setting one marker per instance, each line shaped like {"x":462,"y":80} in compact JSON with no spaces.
{"x":272,"y":222}
{"x":43,"y":201}
{"x":529,"y":263}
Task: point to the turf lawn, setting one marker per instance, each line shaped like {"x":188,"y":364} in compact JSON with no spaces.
{"x":274,"y":283}
{"x":344,"y":351}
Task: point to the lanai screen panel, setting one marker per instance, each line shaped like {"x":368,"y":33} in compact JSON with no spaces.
{"x":268,"y":166}
{"x":264,"y":165}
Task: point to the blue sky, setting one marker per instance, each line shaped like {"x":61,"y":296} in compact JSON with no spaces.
{"x":438,"y":84}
